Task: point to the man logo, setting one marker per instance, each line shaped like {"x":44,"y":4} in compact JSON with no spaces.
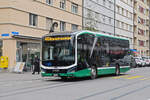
{"x":56,"y":70}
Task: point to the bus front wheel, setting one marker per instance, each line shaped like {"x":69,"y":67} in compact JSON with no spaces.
{"x":117,"y":70}
{"x":93,"y":72}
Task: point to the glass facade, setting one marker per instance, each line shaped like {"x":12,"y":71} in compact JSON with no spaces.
{"x":1,"y":45}
{"x":26,"y":52}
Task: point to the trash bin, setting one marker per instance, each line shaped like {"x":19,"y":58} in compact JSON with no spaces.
{"x":4,"y":62}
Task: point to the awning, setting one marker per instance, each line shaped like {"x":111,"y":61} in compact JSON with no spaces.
{"x":26,"y":37}
{"x":134,"y":50}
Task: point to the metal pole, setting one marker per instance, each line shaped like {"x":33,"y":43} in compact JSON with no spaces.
{"x":82,"y":14}
{"x":149,"y":29}
{"x":114,"y":17}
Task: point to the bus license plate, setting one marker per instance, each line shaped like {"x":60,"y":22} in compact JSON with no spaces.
{"x":55,"y":75}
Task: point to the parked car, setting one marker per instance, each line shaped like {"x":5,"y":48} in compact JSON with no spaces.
{"x":147,"y":60}
{"x":139,"y":62}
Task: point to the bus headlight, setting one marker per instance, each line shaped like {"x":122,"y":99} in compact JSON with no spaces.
{"x":42,"y":70}
{"x":71,"y":70}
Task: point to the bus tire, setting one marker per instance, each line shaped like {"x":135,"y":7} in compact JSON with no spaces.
{"x":117,"y":69}
{"x":93,"y":72}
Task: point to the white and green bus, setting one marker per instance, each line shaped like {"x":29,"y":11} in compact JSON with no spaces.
{"x":83,"y":54}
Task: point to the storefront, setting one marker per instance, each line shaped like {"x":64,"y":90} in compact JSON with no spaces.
{"x":26,"y":53}
{"x":1,"y":45}
{"x":20,"y":49}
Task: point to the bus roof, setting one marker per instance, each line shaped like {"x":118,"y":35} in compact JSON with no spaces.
{"x":82,"y":32}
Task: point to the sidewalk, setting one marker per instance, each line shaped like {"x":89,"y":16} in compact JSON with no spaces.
{"x":3,"y":70}
{"x":25,"y":76}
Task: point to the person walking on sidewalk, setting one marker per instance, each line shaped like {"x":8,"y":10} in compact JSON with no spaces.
{"x":36,"y":67}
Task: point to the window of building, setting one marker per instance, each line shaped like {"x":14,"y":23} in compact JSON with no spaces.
{"x":103,"y":18}
{"x":141,"y":43}
{"x":104,"y":2}
{"x":118,"y":23}
{"x":110,"y":21}
{"x":50,"y":2}
{"x":141,"y":9}
{"x":130,"y":14}
{"x":122,"y":11}
{"x":110,"y":4}
{"x":63,"y":4}
{"x":49,"y":22}
{"x":62,"y":26}
{"x":74,"y":8}
{"x":126,"y":26}
{"x":96,"y":15}
{"x":32,"y":19}
{"x":141,"y":20}
{"x":122,"y":25}
{"x":127,"y":13}
{"x":141,"y":32}
{"x":74,"y":27}
{"x":130,"y":27}
{"x":117,"y":9}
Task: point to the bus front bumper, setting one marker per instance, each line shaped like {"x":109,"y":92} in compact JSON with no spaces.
{"x":43,"y":74}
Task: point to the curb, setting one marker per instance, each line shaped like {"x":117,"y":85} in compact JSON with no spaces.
{"x":3,"y":70}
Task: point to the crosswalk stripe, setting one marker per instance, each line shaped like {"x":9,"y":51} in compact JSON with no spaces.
{"x":145,"y":79}
{"x":134,"y":77}
{"x":120,"y":77}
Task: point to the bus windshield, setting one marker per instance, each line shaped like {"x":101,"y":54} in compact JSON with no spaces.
{"x":58,"y":53}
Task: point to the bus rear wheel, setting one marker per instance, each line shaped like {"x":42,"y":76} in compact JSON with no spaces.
{"x":93,"y":72}
{"x":117,"y":70}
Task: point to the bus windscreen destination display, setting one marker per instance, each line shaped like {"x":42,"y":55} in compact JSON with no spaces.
{"x":56,"y":38}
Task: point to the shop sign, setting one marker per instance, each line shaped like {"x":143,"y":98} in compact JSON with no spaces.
{"x":56,"y":38}
{"x":19,"y":67}
{"x":15,"y":33}
{"x":5,"y":34}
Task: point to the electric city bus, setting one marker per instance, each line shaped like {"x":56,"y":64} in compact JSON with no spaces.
{"x":83,"y":54}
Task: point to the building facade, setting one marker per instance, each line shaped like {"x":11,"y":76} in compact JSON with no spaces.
{"x":141,"y":27}
{"x":98,"y":15}
{"x":124,"y":19}
{"x":113,"y":17}
{"x":24,"y":22}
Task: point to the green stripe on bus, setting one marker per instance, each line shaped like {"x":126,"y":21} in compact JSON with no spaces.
{"x":46,"y":74}
{"x":104,"y":35}
{"x":86,"y":72}
{"x":106,"y":71}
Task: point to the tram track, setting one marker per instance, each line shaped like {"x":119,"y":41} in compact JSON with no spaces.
{"x":31,"y":89}
{"x":5,"y":82}
{"x":114,"y":89}
{"x":130,"y":92}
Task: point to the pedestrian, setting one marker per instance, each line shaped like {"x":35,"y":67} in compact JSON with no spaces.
{"x":32,"y":64}
{"x":36,"y":67}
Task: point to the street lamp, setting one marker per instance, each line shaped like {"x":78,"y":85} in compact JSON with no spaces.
{"x":55,"y":24}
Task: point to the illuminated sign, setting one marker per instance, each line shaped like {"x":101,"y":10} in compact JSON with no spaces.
{"x":56,"y":38}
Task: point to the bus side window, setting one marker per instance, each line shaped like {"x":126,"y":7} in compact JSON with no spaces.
{"x":84,"y":46}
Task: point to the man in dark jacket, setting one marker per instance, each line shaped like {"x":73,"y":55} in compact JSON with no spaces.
{"x":36,"y":65}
